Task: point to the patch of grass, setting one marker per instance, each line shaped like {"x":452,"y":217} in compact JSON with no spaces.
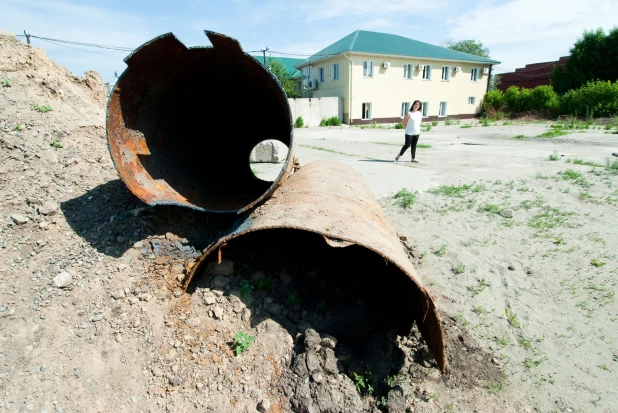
{"x":292,"y":299}
{"x":570,"y":174}
{"x":604,"y":367}
{"x":18,"y":128}
{"x":585,"y":196}
{"x":548,"y":218}
{"x":434,"y":123}
{"x":596,"y":263}
{"x":405,"y":198}
{"x":242,"y":341}
{"x":479,"y":287}
{"x":491,"y":208}
{"x":527,"y":204}
{"x":265,"y":283}
{"x":479,"y":310}
{"x":41,"y":108}
{"x":577,"y":161}
{"x":399,"y":125}
{"x":465,"y":126}
{"x":299,"y":123}
{"x":501,"y":341}
{"x":245,"y":288}
{"x":552,"y":133}
{"x":554,"y":156}
{"x":361,"y":382}
{"x":520,"y":137}
{"x":456,"y":191}
{"x":448,"y":122}
{"x":55,"y":144}
{"x":6,"y":83}
{"x":423,"y":145}
{"x":611,"y":165}
{"x":527,"y":344}
{"x":530,"y":363}
{"x":441,"y":252}
{"x":459,"y":269}
{"x":425,"y":127}
{"x":255,"y":171}
{"x":496,"y":387}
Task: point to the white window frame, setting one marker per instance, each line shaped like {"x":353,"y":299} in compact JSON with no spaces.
{"x":335,"y":71}
{"x":446,"y":73}
{"x":364,"y":109}
{"x":320,"y":74}
{"x":408,"y":69}
{"x":405,"y":108}
{"x":427,"y":72}
{"x":367,"y":68}
{"x":472,"y":100}
{"x":441,"y":113}
{"x":425,"y":109}
{"x":474,"y":74}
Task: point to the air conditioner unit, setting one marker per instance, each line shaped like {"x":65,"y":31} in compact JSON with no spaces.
{"x":421,"y":67}
{"x":458,"y":69}
{"x":485,"y":70}
{"x":313,"y":83}
{"x":387,"y":65}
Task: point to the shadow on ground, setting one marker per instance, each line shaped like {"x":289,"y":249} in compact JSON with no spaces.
{"x":111,"y":219}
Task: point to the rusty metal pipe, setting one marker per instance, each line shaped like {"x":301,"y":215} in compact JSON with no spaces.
{"x":181,"y":124}
{"x":326,"y":207}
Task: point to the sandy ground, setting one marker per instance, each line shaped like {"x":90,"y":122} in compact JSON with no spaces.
{"x":552,"y":265}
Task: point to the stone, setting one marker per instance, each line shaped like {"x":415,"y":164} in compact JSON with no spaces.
{"x":157,"y":372}
{"x":118,"y":295}
{"x":313,"y":362}
{"x":175,"y":381}
{"x":312,"y":338}
{"x":218,"y":312}
{"x":194,"y":322}
{"x":269,"y":151}
{"x":274,"y":308}
{"x":512,"y":268}
{"x":396,"y":402}
{"x":19,"y":219}
{"x":330,"y":361}
{"x":285,"y":279}
{"x":256,"y":393}
{"x":221,"y":281}
{"x":209,"y":299}
{"x":63,"y":280}
{"x":48,"y":208}
{"x":329,"y":342}
{"x":263,"y":406}
{"x":226,"y":268}
{"x":506,"y":213}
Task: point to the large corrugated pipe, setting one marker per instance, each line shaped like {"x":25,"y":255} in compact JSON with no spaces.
{"x":325,"y":215}
{"x":182,"y":122}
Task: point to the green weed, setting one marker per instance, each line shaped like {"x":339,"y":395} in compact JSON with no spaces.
{"x":554,"y":156}
{"x":6,"y":83}
{"x":467,"y":125}
{"x":501,"y":341}
{"x":245,"y":288}
{"x":456,"y":191}
{"x":399,"y":125}
{"x":548,"y":218}
{"x":423,"y":145}
{"x":18,"y":128}
{"x":491,"y":208}
{"x":299,"y":123}
{"x":479,"y":287}
{"x":265,"y":283}
{"x":255,"y":171}
{"x":434,"y":123}
{"x":530,"y":363}
{"x":479,"y":310}
{"x":320,"y":305}
{"x":552,"y":133}
{"x":242,"y":341}
{"x":441,"y":252}
{"x":55,"y":144}
{"x":361,"y":382}
{"x":511,"y":318}
{"x":292,"y":299}
{"x":405,"y":198}
{"x":41,"y":108}
{"x":595,"y":262}
{"x":459,"y":269}
{"x":332,"y":121}
{"x":496,"y":387}
{"x":520,"y":137}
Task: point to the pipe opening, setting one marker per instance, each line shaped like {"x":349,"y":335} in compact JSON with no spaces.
{"x":182,"y":123}
{"x":349,"y":291}
{"x":267,"y":159}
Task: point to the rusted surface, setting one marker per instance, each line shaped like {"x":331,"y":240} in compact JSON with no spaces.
{"x":329,"y":199}
{"x":181,"y":124}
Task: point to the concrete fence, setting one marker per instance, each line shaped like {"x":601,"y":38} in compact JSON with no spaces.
{"x":313,"y":110}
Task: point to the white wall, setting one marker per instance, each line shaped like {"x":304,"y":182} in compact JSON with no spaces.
{"x":313,"y":110}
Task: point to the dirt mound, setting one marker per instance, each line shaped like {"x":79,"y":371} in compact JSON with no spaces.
{"x":31,"y":78}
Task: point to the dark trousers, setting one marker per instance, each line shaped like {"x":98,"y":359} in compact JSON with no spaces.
{"x":411,"y":141}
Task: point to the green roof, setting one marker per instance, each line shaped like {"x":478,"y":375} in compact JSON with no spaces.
{"x":288,"y":63}
{"x":391,"y":44}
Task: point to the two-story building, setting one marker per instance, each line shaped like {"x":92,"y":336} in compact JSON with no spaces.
{"x":379,"y":75}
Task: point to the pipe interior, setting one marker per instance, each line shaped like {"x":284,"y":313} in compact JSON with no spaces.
{"x":201,"y":116}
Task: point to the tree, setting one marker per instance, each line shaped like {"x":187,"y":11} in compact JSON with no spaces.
{"x":593,"y":57}
{"x":278,"y":69}
{"x":474,"y":47}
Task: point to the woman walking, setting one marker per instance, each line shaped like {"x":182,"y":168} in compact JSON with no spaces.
{"x":412,"y":123}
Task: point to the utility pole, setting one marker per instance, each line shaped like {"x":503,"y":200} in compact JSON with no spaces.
{"x":264,"y":53}
{"x":27,"y":37}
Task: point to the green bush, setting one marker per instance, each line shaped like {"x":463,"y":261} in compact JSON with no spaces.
{"x":400,"y":125}
{"x":492,"y":102}
{"x":299,"y":122}
{"x":332,"y":121}
{"x":543,"y":99}
{"x":599,"y":98}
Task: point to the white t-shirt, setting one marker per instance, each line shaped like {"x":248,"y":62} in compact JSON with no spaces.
{"x":413,"y":127}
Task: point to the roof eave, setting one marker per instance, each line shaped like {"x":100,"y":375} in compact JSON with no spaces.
{"x":490,"y":62}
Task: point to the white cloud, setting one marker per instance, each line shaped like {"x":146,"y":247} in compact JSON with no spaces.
{"x":326,"y":9}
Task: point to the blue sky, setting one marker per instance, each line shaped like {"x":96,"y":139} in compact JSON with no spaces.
{"x":516,"y":31}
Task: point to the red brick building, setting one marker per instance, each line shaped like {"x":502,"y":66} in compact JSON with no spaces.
{"x":531,"y":76}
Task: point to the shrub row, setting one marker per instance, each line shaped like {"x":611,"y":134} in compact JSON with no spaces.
{"x":595,"y":99}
